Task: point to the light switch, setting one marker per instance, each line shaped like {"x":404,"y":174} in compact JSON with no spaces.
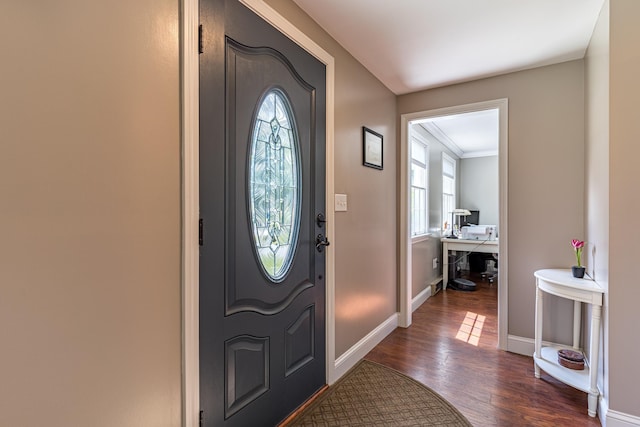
{"x":341,"y":202}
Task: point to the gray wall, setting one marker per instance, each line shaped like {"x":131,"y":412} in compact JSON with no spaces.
{"x":624,"y":197}
{"x":365,"y":240}
{"x":479,"y":185}
{"x":424,"y":251}
{"x":613,"y":66}
{"x":597,"y":175}
{"x":546,"y":168}
{"x":422,"y":271}
{"x":90,"y":214}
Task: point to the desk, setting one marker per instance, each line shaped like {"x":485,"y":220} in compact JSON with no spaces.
{"x":563,"y":284}
{"x":467,"y":245}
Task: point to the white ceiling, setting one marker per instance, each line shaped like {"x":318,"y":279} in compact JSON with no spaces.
{"x":412,"y":45}
{"x":474,"y":134}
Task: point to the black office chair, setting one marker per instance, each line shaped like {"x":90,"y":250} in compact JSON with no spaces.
{"x":493,"y":275}
{"x":478,"y":263}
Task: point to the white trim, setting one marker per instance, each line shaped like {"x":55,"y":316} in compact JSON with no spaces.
{"x":483,"y":153}
{"x":435,"y":130}
{"x":405,"y":242}
{"x":526,"y":346}
{"x":446,"y":158}
{"x":603,"y":409}
{"x":422,"y":141}
{"x":503,"y":179}
{"x":404,"y":319}
{"x":266,"y":12}
{"x":620,"y":419}
{"x":360,"y":349}
{"x":521,"y":345}
{"x":421,"y":298}
{"x":421,"y":237}
{"x":190,"y":207}
{"x":190,"y":214}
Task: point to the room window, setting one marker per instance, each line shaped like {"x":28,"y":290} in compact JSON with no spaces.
{"x":448,"y":190}
{"x":419,"y":186}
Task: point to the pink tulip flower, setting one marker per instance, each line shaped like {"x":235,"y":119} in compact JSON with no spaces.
{"x":578,"y":245}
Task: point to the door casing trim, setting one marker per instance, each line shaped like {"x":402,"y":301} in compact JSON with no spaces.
{"x":405,"y":239}
{"x":189,"y":74}
{"x":191,"y":193}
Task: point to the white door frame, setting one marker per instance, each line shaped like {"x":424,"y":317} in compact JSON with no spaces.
{"x":191,"y":201}
{"x":405,"y":237}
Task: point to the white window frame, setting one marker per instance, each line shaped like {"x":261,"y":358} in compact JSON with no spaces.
{"x":424,"y":232}
{"x":448,"y":199}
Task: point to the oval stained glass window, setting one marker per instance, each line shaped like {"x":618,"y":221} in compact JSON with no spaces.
{"x":274,"y":186}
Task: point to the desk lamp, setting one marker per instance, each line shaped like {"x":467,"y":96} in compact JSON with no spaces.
{"x":458,"y":213}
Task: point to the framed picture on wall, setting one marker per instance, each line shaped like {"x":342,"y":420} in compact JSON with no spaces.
{"x":371,"y":148}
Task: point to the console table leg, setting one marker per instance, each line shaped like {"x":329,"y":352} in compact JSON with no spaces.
{"x":577,"y":316}
{"x":445,"y":266}
{"x":538,"y":330}
{"x":593,"y":404}
{"x":594,"y":355}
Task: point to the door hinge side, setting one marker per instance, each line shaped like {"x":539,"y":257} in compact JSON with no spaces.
{"x":201,"y":418}
{"x":201,"y":232}
{"x":200,"y":47}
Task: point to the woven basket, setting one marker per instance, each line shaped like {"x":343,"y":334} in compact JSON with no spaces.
{"x":571,"y":359}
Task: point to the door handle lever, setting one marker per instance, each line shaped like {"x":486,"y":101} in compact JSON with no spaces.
{"x":321,"y":242}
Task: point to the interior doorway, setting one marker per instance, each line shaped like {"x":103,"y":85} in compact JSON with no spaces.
{"x":406,"y":267}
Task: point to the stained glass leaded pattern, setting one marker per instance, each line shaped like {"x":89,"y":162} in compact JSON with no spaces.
{"x":274,"y":191}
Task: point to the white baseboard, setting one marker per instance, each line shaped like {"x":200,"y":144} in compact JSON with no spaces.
{"x":352,"y":356}
{"x":524,"y":346}
{"x":603,"y":409}
{"x":420,"y":298}
{"x":520,"y":345}
{"x":619,"y":419}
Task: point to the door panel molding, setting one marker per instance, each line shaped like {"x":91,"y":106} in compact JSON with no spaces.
{"x":299,"y":338}
{"x":191,"y":202}
{"x":245,"y":354}
{"x":256,"y":306}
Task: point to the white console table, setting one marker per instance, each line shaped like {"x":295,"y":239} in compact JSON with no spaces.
{"x":468,"y":245}
{"x":563,"y":284}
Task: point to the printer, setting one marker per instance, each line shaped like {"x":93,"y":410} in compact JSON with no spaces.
{"x":479,"y":232}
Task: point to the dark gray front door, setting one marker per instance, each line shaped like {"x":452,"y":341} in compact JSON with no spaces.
{"x":262,"y":164}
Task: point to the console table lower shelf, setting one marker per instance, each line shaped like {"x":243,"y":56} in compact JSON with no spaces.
{"x":548,"y":362}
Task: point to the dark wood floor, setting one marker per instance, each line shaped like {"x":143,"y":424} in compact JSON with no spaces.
{"x":489,"y":386}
